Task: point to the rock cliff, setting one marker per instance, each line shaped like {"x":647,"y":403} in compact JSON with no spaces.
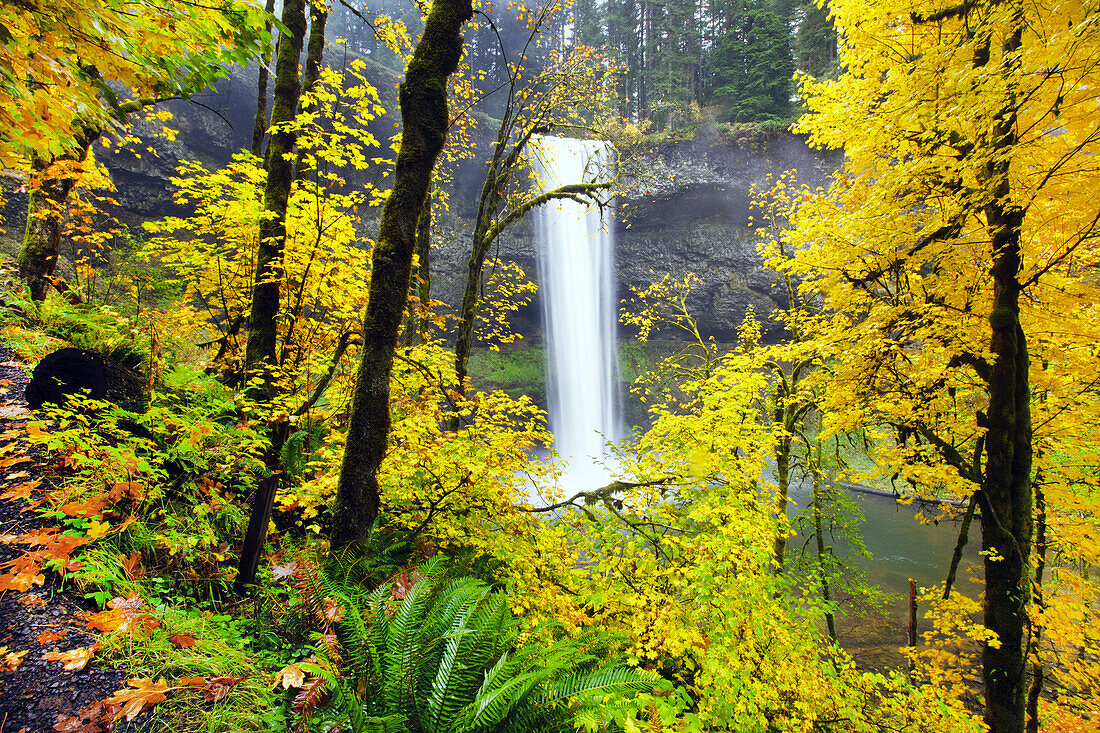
{"x":688,"y":213}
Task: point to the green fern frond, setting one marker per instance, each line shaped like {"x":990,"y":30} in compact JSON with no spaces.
{"x":444,"y":659}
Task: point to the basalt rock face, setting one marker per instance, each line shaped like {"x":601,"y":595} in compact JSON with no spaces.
{"x":689,"y":213}
{"x":685,"y":211}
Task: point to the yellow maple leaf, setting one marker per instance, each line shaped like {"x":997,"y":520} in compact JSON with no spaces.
{"x":146,"y":693}
{"x":74,"y":659}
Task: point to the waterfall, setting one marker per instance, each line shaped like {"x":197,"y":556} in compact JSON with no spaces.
{"x":576,"y":262}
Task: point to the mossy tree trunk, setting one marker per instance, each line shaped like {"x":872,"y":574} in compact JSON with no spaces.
{"x":1007,"y":503}
{"x":423,"y":101}
{"x":260,"y":348}
{"x":41,"y":248}
{"x":264,"y":313}
{"x":259,"y":124}
{"x":315,"y":50}
{"x":49,"y":191}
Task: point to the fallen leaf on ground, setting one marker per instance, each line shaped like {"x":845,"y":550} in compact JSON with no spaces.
{"x":99,"y":717}
{"x":21,"y":491}
{"x":74,"y":659}
{"x":10,"y":661}
{"x":286,"y":570}
{"x":218,"y":688}
{"x":92,"y":507}
{"x":14,"y":365}
{"x":124,"y":615}
{"x":180,"y":641}
{"x":289,"y":676}
{"x":49,"y":637}
{"x":146,"y":693}
{"x":132,"y":565}
{"x":25,"y":572}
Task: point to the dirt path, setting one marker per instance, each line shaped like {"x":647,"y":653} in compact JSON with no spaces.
{"x":36,"y":694}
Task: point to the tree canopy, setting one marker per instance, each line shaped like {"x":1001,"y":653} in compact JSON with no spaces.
{"x":62,"y":63}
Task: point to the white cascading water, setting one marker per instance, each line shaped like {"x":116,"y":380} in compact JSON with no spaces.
{"x":576,"y":261}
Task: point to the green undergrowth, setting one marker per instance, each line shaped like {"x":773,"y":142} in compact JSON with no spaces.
{"x":522,"y":370}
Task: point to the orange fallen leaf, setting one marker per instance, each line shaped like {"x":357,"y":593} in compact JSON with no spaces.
{"x":180,"y":641}
{"x":92,"y":507}
{"x":131,"y":489}
{"x":146,"y":693}
{"x":49,"y":637}
{"x":25,"y":572}
{"x":10,"y":661}
{"x":124,"y":615}
{"x":21,"y":491}
{"x":132,"y":565}
{"x":74,"y":659}
{"x":218,"y":688}
{"x":31,"y":601}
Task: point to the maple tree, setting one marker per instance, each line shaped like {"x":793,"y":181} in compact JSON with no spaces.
{"x":58,"y":62}
{"x":951,"y":255}
{"x":423,"y":101}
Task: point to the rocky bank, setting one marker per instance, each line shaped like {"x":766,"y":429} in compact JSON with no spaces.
{"x":689,"y":213}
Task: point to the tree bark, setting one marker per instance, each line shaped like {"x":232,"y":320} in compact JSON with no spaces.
{"x":259,"y":125}
{"x":1035,"y":689}
{"x":1006,"y":514}
{"x":318,"y":18}
{"x":423,"y":101}
{"x":41,"y":247}
{"x":263,"y":316}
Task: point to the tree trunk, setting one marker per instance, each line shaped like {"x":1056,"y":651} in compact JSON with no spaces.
{"x":1006,"y":515}
{"x":259,"y":125}
{"x":423,"y":100}
{"x":260,"y":348}
{"x":416,"y":328}
{"x":318,"y":18}
{"x":783,"y":490}
{"x":1035,"y":690}
{"x":263,"y":316}
{"x":467,"y":313}
{"x":46,"y":205}
{"x":42,"y":238}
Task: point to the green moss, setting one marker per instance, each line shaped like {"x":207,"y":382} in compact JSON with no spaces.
{"x":523,"y":370}
{"x":520,"y":370}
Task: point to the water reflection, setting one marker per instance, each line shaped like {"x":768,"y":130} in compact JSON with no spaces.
{"x":899,"y":547}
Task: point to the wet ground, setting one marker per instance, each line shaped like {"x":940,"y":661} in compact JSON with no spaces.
{"x":37,"y":694}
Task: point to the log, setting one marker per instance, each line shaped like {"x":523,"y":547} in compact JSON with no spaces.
{"x":68,"y":371}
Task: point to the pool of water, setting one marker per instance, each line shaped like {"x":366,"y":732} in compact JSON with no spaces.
{"x":899,"y":546}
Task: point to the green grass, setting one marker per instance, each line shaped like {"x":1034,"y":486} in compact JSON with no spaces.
{"x":522,"y":370}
